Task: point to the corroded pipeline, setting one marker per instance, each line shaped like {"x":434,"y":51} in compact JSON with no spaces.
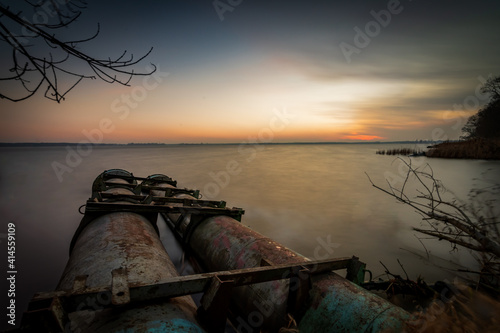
{"x":123,"y":247}
{"x":332,"y":303}
{"x":119,"y":277}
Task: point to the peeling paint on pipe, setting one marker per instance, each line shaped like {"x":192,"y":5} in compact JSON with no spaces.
{"x":124,"y":240}
{"x":221,"y":243}
{"x":334,"y":303}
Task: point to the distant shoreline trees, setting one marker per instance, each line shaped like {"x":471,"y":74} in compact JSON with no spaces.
{"x":485,"y":124}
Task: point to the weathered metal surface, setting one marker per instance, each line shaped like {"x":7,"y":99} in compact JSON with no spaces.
{"x":223,"y":243}
{"x":338,"y":305}
{"x":113,"y":241}
{"x":184,"y":285}
{"x":356,"y":272}
{"x":172,"y":209}
{"x":159,"y":317}
{"x":120,"y":293}
{"x":182,"y":199}
{"x":120,"y":249}
{"x":119,"y":178}
{"x":120,"y":279}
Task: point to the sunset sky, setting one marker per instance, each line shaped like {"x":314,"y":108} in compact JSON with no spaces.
{"x":271,"y":71}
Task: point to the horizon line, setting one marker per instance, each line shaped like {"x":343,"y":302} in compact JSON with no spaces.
{"x":4,"y":144}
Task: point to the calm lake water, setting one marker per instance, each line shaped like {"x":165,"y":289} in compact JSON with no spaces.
{"x":300,"y":195}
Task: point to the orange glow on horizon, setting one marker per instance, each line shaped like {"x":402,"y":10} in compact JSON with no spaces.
{"x":361,"y":137}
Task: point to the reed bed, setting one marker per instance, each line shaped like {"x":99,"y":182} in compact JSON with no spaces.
{"x":470,"y":149}
{"x":401,"y":151}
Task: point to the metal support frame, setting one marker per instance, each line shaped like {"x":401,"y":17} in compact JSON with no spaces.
{"x":214,"y":304}
{"x":149,"y":206}
{"x":51,"y":309}
{"x":356,"y":271}
{"x":216,"y":288}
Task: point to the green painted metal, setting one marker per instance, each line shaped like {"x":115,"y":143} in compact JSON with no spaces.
{"x":338,"y":305}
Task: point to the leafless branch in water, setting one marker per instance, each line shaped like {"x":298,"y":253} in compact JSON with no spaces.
{"x":473,"y":226}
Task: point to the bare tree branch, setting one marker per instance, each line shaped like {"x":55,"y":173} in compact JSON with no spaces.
{"x":33,"y":71}
{"x":460,"y":224}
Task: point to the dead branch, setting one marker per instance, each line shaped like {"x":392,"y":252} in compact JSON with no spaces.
{"x":33,"y":71}
{"x":460,"y":224}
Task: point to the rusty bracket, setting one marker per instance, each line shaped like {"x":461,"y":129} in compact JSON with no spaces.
{"x":147,"y":200}
{"x":79,"y":284}
{"x":356,"y":271}
{"x":169,"y":191}
{"x":48,"y":313}
{"x":298,"y":290}
{"x":120,"y":292}
{"x":215,"y":303}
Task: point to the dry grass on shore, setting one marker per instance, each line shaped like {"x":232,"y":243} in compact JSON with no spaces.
{"x":401,"y":151}
{"x":470,"y":149}
{"x":467,"y":311}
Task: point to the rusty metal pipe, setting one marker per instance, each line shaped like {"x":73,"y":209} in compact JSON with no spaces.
{"x":126,"y":242}
{"x":334,"y":303}
{"x":222,"y":243}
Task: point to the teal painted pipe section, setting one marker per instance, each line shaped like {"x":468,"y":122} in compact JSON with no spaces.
{"x":338,"y":305}
{"x":334,"y":304}
{"x":172,"y":326}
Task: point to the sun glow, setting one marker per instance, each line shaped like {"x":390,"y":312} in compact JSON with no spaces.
{"x":361,"y":137}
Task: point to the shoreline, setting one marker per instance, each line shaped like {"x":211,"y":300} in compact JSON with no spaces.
{"x":483,"y":149}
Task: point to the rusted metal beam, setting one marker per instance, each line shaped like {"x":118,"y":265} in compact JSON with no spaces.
{"x":109,"y":207}
{"x":184,"y":201}
{"x":186,"y":285}
{"x":170,"y":190}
